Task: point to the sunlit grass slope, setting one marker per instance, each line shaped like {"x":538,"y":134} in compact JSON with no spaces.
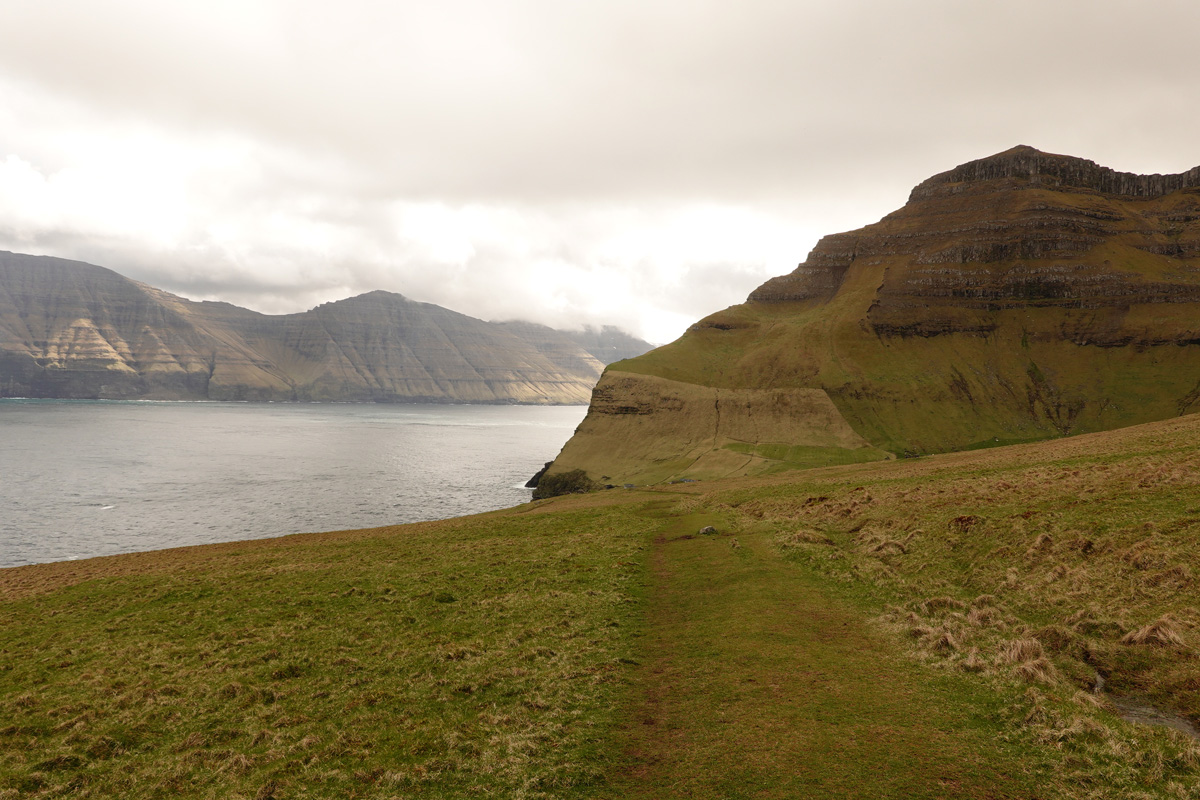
{"x":929,"y":627}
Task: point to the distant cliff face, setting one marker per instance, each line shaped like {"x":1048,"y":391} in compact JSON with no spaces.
{"x":74,"y":330}
{"x":1017,"y":297}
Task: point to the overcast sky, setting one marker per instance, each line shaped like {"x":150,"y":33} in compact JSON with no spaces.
{"x":637,"y":163}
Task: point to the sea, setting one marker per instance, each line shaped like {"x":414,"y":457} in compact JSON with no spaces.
{"x":80,"y":479}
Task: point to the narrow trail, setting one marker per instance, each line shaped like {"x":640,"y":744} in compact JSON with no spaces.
{"x":757,"y":682}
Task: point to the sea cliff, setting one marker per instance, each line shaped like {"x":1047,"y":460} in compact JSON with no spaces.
{"x":1018,"y":297}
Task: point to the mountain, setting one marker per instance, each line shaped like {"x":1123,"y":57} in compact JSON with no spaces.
{"x":75,"y":330}
{"x":605,"y":344}
{"x":1014,"y":298}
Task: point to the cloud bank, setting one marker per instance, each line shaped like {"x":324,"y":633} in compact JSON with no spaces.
{"x":633,"y":163}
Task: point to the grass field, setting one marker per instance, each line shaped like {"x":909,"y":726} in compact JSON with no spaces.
{"x":928,"y":627}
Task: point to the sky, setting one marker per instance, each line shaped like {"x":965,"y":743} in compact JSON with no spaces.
{"x":637,"y":163}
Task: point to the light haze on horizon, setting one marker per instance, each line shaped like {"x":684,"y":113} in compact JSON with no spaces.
{"x":641,"y":164}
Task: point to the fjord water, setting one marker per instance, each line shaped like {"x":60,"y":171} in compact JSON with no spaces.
{"x":89,"y":478}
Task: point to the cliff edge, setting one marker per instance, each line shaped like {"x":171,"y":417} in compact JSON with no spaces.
{"x":1018,"y":297}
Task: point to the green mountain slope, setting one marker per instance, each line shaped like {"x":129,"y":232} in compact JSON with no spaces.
{"x":1019,"y":297}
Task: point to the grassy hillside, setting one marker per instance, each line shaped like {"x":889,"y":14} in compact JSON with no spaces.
{"x":1021,"y":297}
{"x":929,"y":627}
{"x":1024,"y":381}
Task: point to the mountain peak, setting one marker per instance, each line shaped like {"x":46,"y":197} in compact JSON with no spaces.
{"x":1032,"y":167}
{"x":69,"y":329}
{"x":1020,"y":296}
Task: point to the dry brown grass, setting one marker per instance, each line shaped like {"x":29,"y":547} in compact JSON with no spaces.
{"x":889,"y":547}
{"x":1020,"y":651}
{"x":973,"y":662}
{"x":936,"y":604}
{"x":1163,"y":632}
{"x":985,"y":617}
{"x":1043,"y":542}
{"x":805,"y":536}
{"x":943,"y":642}
{"x":1176,"y":578}
{"x":1056,"y":638}
{"x":1039,"y":670}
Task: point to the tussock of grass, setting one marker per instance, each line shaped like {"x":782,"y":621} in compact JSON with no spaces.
{"x":1020,"y":651}
{"x":1163,"y":632}
{"x":943,"y":642}
{"x":973,"y":662}
{"x":805,"y":537}
{"x":985,"y":617}
{"x":1051,"y":560}
{"x":935,"y":604}
{"x":1056,"y":638}
{"x":1039,"y":670}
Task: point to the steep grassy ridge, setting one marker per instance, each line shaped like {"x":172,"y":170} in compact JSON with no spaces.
{"x":929,"y":627}
{"x":1020,"y":297}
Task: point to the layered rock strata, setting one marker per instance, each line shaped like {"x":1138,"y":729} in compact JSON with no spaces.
{"x":1017,"y":297}
{"x":74,"y":330}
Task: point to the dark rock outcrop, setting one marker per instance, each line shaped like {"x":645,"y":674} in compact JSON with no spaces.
{"x":1049,"y":170}
{"x":1017,"y":230}
{"x":537,"y":476}
{"x":572,"y":482}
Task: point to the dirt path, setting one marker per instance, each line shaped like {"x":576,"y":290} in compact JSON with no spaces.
{"x":758,"y":683}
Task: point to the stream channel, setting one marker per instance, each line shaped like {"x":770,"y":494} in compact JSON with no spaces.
{"x":1136,"y":709}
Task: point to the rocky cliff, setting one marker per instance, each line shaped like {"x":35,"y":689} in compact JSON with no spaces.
{"x":75,"y":330}
{"x":1018,"y":297}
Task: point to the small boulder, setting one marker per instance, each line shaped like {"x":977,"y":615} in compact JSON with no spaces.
{"x":708,"y":530}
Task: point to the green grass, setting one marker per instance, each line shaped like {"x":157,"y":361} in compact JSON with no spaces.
{"x":800,"y":456}
{"x":1034,"y":569}
{"x":762,"y":680}
{"x":479,"y":656}
{"x":913,"y":628}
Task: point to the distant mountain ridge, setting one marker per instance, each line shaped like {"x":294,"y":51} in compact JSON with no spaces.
{"x":1017,"y":297}
{"x":74,"y":330}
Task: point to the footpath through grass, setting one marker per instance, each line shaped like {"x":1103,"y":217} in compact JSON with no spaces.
{"x":759,"y":680}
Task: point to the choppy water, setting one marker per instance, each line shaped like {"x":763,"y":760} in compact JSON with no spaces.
{"x":84,"y":478}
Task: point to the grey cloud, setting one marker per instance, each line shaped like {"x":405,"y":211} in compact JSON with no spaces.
{"x":573,"y":119}
{"x":529,"y":100}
